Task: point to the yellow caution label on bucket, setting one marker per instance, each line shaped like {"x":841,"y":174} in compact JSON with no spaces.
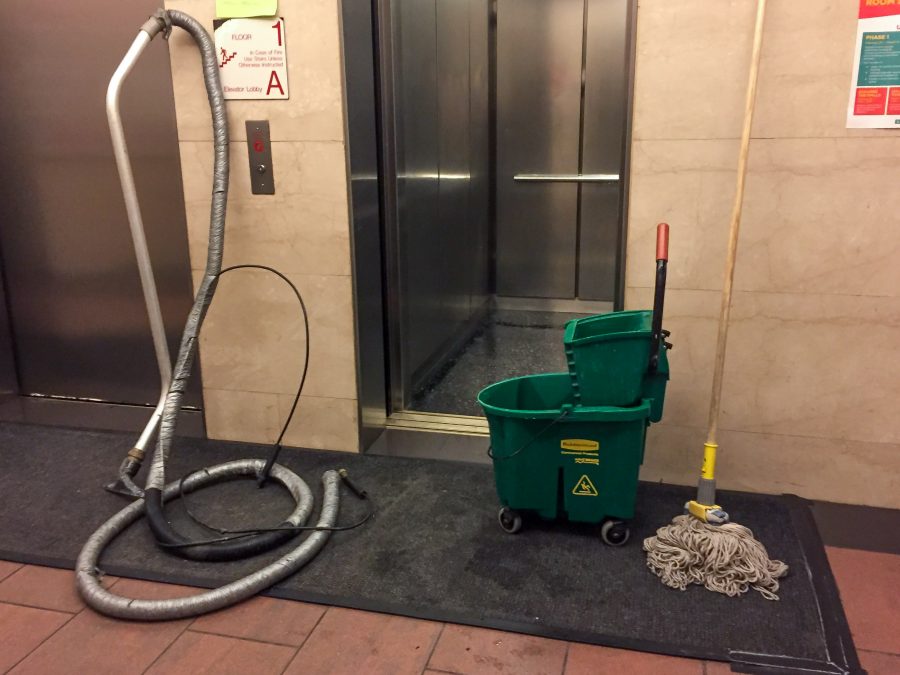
{"x":584,"y":487}
{"x":579,"y":445}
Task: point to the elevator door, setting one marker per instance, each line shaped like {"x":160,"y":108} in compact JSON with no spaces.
{"x":77,"y":319}
{"x":441,"y":129}
{"x":561,"y":105}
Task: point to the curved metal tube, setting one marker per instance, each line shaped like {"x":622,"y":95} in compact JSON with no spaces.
{"x":132,"y":463}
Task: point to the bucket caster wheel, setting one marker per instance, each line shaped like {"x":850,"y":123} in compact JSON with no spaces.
{"x":614,"y":533}
{"x":510,"y":521}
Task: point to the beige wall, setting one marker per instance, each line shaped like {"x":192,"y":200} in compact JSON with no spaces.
{"x":813,"y":367}
{"x":251,"y":346}
{"x":813,"y":364}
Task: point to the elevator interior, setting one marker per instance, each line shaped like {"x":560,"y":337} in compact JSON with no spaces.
{"x":502,"y":129}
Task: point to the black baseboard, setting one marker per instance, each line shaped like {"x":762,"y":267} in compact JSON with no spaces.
{"x":868,"y":528}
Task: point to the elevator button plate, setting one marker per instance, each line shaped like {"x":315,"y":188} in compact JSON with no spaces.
{"x":259,"y":149}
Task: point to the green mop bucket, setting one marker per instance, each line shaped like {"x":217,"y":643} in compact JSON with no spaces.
{"x":561,"y":460}
{"x":608,"y":357}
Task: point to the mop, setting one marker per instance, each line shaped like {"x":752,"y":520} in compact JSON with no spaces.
{"x":702,"y":546}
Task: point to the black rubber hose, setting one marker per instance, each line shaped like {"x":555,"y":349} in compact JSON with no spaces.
{"x":227,"y":550}
{"x":159,"y":525}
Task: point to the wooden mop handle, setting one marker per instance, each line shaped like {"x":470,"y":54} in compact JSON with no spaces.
{"x":735,"y":227}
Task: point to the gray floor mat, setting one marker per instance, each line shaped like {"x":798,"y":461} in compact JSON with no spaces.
{"x":434,"y":550}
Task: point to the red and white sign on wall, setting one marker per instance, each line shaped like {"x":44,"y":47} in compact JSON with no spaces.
{"x":875,"y":90}
{"x":252,"y":58}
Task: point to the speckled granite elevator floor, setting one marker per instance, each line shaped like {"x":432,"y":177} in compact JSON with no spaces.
{"x":509,"y":343}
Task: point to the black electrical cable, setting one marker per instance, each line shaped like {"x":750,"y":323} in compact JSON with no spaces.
{"x":273,"y":455}
{"x":276,"y":447}
{"x":240,"y":534}
{"x":361,"y":494}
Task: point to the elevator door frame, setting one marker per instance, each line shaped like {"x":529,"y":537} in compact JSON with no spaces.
{"x":625,"y":177}
{"x":369,"y":98}
{"x":9,"y":380}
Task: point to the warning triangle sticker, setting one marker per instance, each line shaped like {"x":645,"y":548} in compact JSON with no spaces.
{"x":585,"y":487}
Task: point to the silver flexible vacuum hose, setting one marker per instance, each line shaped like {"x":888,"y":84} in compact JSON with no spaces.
{"x":188,"y":348}
{"x":87,"y":576}
{"x":156,"y":492}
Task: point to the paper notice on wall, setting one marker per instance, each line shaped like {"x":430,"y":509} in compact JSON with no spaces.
{"x":227,"y":9}
{"x":875,"y":91}
{"x":252,"y":58}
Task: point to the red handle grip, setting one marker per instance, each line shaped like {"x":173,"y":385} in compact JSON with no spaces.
{"x":662,"y":241}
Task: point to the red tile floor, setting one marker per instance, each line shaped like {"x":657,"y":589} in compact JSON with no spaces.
{"x":45,"y":629}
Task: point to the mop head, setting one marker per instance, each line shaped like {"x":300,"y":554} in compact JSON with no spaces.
{"x":723,"y":558}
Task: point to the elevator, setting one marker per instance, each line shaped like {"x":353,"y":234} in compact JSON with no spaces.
{"x":500,"y":155}
{"x":75,"y":344}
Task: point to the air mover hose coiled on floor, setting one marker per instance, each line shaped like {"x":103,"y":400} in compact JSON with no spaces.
{"x":107,"y":602}
{"x":156,"y":492}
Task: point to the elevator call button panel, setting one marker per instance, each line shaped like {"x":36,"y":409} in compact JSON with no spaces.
{"x":259,"y":148}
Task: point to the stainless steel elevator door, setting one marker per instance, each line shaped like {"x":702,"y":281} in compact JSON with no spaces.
{"x":422,"y":242}
{"x":77,"y":312}
{"x":561,"y":100}
{"x":440,"y":97}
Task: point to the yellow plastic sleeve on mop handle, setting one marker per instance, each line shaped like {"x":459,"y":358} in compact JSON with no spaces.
{"x":709,"y":461}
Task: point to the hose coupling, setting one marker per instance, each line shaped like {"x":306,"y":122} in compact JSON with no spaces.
{"x":159,"y":22}
{"x":130,"y":465}
{"x":136,"y":454}
{"x":359,"y":492}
